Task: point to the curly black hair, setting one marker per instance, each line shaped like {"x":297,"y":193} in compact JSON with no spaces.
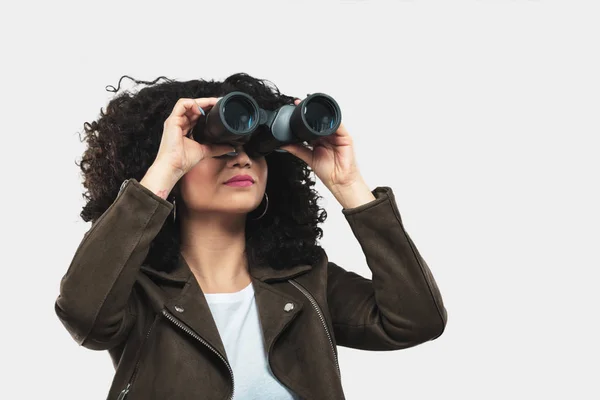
{"x":123,"y":143}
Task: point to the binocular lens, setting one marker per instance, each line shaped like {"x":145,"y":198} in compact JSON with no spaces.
{"x":236,"y":117}
{"x":239,"y":114}
{"x":320,"y":114}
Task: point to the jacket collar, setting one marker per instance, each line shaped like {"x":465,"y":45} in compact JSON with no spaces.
{"x":190,"y":307}
{"x":264,"y":273}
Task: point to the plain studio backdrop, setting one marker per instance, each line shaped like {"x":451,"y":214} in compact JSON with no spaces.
{"x":481,"y":115}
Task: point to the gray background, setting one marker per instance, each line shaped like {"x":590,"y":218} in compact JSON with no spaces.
{"x":481,"y":115}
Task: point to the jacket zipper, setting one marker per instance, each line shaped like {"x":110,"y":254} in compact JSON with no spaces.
{"x":124,"y":392}
{"x":122,"y":187}
{"x":196,"y":336}
{"x":316,"y":306}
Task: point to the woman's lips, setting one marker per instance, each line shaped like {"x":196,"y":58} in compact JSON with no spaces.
{"x":240,"y":183}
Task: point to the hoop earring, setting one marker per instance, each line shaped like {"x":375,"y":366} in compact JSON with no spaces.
{"x":174,"y":210}
{"x":266,"y":207}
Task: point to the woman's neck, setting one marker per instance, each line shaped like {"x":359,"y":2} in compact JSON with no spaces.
{"x":215,"y":252}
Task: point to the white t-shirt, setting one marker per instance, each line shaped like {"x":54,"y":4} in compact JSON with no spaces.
{"x":238,"y":322}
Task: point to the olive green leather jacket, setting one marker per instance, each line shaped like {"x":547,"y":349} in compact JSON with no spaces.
{"x":159,"y":331}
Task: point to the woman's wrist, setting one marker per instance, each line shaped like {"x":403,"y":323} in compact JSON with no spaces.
{"x":160,"y":180}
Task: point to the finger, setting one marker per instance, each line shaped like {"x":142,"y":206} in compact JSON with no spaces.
{"x":302,"y":152}
{"x":185,"y":113}
{"x":182,"y":122}
{"x":217,"y":150}
{"x":185,"y":108}
{"x":190,"y":108}
{"x":297,"y":101}
{"x":206,"y":101}
{"x":321,"y":142}
{"x":342,"y":131}
{"x":205,"y":104}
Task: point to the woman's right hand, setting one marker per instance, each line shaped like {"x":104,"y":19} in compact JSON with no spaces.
{"x":179,"y":152}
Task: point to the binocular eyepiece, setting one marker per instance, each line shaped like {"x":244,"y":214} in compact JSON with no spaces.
{"x":235,"y":119}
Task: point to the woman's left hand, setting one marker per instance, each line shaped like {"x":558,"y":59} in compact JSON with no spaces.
{"x":332,"y":158}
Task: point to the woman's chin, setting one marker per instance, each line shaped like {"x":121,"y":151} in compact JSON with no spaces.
{"x":243,"y":208}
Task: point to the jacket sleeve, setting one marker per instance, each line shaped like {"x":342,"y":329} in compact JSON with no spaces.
{"x":401,"y":306}
{"x":95,"y":302}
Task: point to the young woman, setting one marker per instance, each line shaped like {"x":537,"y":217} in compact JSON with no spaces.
{"x":204,"y":289}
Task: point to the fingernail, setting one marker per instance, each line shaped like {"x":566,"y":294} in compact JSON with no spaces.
{"x":202,"y":111}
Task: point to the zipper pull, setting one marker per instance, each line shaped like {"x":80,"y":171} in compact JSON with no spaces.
{"x":124,"y":392}
{"x":123,"y":186}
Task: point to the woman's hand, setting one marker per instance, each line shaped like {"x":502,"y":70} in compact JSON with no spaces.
{"x":179,"y":153}
{"x":331,"y":158}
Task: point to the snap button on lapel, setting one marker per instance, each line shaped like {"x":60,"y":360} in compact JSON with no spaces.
{"x":178,"y":309}
{"x":288,"y":307}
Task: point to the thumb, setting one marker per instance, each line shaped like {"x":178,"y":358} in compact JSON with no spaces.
{"x":216,"y":150}
{"x":302,"y":152}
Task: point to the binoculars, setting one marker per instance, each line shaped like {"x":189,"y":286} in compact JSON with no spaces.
{"x":235,"y":119}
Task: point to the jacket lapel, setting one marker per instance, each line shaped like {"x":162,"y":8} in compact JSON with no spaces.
{"x":276,"y":309}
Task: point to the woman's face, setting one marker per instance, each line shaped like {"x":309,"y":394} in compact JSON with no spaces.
{"x":203,"y":187}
